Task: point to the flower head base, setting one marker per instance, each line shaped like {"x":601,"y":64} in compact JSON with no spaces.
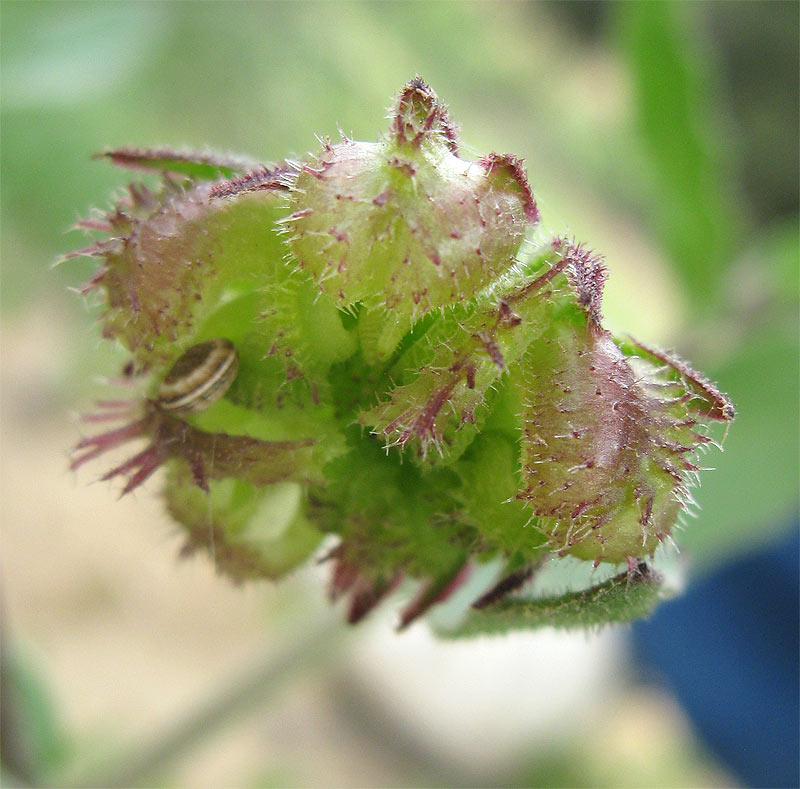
{"x":383,"y":360}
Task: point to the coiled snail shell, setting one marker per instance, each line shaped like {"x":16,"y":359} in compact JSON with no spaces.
{"x":201,"y":376}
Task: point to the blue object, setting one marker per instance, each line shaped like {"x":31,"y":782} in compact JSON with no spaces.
{"x":729,"y":648}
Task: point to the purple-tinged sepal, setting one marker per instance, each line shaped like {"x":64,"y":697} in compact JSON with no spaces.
{"x":609,"y":440}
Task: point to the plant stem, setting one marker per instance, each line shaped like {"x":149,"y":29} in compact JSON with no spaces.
{"x":249,"y":689}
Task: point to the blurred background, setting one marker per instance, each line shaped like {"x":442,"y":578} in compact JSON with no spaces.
{"x":665,"y":136}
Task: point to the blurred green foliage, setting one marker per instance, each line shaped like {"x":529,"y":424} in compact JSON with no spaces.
{"x":33,"y":741}
{"x":664,"y":127}
{"x":684,"y":145}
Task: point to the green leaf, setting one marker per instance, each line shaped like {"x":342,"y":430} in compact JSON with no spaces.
{"x":34,"y":743}
{"x":623,"y":598}
{"x":683,"y":142}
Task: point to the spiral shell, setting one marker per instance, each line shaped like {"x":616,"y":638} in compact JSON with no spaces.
{"x":201,"y":376}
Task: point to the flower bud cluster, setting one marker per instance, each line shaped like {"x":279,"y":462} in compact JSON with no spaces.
{"x":369,"y":344}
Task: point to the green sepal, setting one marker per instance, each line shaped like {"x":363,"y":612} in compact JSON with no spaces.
{"x":624,"y":598}
{"x":444,"y":381}
{"x":490,"y":480}
{"x":250,"y":532}
{"x":391,"y":515}
{"x":195,"y":165}
{"x":312,"y":429}
{"x":405,"y":224}
{"x":178,"y":258}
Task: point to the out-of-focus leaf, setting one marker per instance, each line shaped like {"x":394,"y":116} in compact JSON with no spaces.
{"x":774,"y":259}
{"x":622,"y":598}
{"x":685,"y":147}
{"x":33,"y":744}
